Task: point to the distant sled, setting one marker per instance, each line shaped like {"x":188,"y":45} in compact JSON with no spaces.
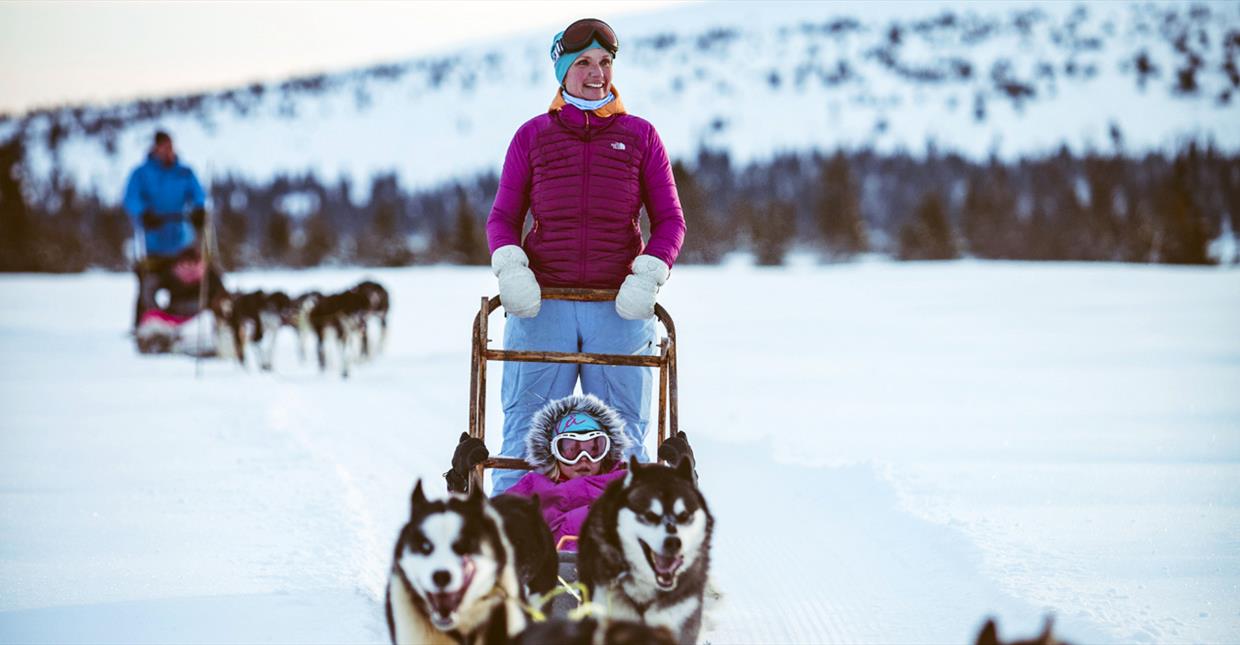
{"x":179,"y":327}
{"x":160,"y":332}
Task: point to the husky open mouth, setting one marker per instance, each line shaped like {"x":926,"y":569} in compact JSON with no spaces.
{"x":664,"y":567}
{"x":444,"y":604}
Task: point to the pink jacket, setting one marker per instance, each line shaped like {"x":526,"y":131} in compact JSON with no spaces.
{"x":585,"y":179}
{"x":566,"y":504}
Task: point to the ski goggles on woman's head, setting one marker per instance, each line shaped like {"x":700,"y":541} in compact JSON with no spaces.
{"x":571,"y":447}
{"x":580,"y":34}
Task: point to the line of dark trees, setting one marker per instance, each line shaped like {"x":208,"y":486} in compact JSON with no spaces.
{"x":1163,"y":208}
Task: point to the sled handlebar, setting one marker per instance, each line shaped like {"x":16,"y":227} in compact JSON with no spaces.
{"x":664,"y":361}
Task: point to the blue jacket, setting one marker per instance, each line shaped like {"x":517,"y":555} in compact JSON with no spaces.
{"x":168,"y":192}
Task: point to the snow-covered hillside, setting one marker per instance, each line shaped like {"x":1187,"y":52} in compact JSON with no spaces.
{"x":893,"y":452}
{"x":750,"y":78}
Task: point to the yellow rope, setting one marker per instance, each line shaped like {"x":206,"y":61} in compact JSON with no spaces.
{"x":568,"y":587}
{"x":575,"y":589}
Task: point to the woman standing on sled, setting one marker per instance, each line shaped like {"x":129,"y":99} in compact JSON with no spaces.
{"x":583,"y":170}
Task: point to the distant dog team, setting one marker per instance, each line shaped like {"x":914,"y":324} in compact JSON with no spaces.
{"x":252,"y":320}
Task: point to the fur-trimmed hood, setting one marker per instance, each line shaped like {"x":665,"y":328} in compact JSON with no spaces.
{"x":538,"y":440}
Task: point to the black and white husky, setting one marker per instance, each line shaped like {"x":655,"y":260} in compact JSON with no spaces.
{"x":645,"y":549}
{"x":376,"y":305}
{"x":250,"y":320}
{"x":464,"y":566}
{"x":990,"y":635}
{"x":297,"y":318}
{"x":338,"y":315}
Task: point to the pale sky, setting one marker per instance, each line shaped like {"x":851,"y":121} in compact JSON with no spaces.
{"x":53,"y":53}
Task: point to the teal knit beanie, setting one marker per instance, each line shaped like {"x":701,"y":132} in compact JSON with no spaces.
{"x":566,"y":59}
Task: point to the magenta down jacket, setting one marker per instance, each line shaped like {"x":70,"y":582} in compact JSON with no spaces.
{"x":585,"y":178}
{"x":566,"y":504}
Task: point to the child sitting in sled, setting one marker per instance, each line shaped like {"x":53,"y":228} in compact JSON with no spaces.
{"x":575,"y":447}
{"x":170,"y":328}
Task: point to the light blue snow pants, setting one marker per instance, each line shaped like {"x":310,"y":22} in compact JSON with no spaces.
{"x":567,"y":326}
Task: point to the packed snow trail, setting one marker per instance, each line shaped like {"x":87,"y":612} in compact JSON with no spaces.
{"x":925,"y":446}
{"x":827,"y":555}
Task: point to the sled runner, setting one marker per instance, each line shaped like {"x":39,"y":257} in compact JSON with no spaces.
{"x":664,"y":360}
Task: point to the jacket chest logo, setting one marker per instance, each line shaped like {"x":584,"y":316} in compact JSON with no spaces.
{"x":616,"y":145}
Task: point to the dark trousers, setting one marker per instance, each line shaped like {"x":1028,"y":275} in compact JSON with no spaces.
{"x":153,"y":273}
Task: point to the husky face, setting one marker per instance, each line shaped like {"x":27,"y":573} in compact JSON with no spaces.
{"x":448,"y":557}
{"x":663,"y":523}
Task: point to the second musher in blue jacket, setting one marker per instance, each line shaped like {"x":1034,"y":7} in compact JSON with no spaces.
{"x":167,"y":206}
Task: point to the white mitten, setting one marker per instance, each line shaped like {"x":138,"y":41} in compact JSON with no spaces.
{"x":518,"y":290}
{"x":635,"y":301}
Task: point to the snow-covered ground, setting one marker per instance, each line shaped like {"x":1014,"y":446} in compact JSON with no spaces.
{"x":892,"y":451}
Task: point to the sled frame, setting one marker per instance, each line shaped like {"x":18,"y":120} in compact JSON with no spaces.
{"x":664,"y":360}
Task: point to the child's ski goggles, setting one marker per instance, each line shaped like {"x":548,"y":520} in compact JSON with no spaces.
{"x":580,"y":34}
{"x":571,"y":447}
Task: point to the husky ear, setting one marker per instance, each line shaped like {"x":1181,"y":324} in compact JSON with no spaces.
{"x":685,"y":469}
{"x":633,"y":466}
{"x":989,"y":634}
{"x":1049,"y":627}
{"x":419,"y":497}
